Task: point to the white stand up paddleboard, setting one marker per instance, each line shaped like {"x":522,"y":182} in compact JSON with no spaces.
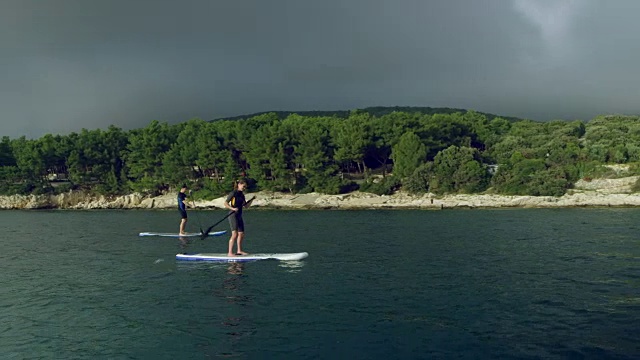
{"x":213,"y":233}
{"x":241,"y":258}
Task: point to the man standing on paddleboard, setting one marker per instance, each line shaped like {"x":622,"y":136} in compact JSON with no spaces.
{"x":235,"y":202}
{"x":182,"y":208}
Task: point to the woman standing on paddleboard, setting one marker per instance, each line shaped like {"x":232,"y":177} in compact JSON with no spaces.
{"x":235,"y":202}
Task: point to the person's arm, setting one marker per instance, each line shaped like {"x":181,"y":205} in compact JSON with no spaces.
{"x":227,"y":205}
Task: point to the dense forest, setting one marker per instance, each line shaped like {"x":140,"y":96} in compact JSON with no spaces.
{"x":376,"y":150}
{"x":376,"y":111}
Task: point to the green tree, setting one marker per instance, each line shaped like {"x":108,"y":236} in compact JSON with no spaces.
{"x":521,"y":176}
{"x":407,"y":155}
{"x":181,"y":161}
{"x":211,"y":151}
{"x":351,"y":138}
{"x":387,"y":130}
{"x":29,"y":159}
{"x":457,"y":169}
{"x":145,"y":153}
{"x":6,"y":152}
{"x":420,"y":181}
{"x":314,"y":154}
{"x":94,"y":158}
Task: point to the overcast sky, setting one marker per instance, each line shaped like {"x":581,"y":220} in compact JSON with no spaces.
{"x":73,"y":64}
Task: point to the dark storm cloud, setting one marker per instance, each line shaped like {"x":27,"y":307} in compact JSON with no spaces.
{"x":70,"y":64}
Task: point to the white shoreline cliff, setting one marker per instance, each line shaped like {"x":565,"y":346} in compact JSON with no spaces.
{"x":595,"y":193}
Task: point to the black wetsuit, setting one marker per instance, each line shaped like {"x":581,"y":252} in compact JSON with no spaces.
{"x":236,"y":200}
{"x":182,"y":208}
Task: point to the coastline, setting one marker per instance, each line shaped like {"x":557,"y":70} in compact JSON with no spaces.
{"x":596,"y":193}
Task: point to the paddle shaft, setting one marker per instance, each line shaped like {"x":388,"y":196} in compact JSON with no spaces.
{"x":221,"y":220}
{"x":193,"y":201}
{"x":206,"y":233}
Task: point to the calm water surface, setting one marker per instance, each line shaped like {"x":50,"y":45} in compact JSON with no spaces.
{"x":476,"y":284}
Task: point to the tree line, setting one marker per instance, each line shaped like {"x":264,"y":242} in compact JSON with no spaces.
{"x":448,"y":152}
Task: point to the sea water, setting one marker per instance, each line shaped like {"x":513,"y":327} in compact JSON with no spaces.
{"x":397,"y":284}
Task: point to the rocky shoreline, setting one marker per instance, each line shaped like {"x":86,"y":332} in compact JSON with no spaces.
{"x":595,"y":193}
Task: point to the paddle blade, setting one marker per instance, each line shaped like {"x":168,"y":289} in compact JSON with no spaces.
{"x":205,"y":233}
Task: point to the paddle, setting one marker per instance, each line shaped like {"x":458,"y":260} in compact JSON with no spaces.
{"x":193,"y":201}
{"x":204,"y":234}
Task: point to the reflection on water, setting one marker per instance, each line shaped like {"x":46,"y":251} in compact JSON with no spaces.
{"x":235,"y":300}
{"x":292,"y":266}
{"x":235,"y":268}
{"x":199,"y":265}
{"x":236,"y":324}
{"x":184,"y":243}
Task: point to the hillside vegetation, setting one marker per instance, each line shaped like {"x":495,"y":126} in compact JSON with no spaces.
{"x":375,"y":150}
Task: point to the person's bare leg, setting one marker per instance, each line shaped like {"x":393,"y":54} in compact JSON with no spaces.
{"x":183,"y":224}
{"x":234,"y":235}
{"x":240,"y":238}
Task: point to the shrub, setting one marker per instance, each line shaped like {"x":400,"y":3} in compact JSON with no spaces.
{"x":530,"y":177}
{"x":64,"y":188}
{"x":386,"y":186}
{"x":457,"y":169}
{"x":23,"y":188}
{"x":418,"y":182}
{"x":330,"y":185}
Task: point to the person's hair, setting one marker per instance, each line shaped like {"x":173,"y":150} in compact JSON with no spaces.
{"x":238,"y":182}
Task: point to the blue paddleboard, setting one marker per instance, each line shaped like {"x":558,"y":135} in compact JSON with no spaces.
{"x":241,"y":258}
{"x":213,"y":233}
